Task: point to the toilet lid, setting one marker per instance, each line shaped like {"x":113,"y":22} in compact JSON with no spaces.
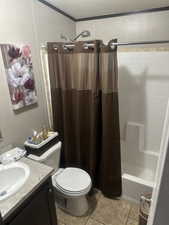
{"x":73,"y":180}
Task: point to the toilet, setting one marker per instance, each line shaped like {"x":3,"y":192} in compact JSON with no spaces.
{"x":71,"y":185}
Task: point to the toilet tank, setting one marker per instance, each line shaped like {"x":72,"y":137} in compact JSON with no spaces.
{"x":50,"y":157}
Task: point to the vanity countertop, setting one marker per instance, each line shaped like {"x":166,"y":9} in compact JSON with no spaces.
{"x":38,"y":173}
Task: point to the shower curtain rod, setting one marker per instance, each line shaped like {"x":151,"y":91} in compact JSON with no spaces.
{"x":140,"y":43}
{"x":86,"y":45}
{"x":125,"y":43}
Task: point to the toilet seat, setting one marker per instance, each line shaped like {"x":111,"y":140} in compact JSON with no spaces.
{"x":72,"y":181}
{"x":73,"y":192}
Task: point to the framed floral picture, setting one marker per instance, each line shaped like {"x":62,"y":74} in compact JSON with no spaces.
{"x":20,"y":75}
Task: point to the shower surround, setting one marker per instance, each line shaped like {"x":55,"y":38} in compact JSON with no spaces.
{"x":143,"y":97}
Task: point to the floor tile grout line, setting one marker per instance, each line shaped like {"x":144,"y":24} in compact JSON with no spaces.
{"x":131,"y":217}
{"x":98,"y":221}
{"x":87,"y":220}
{"x":128,"y":215}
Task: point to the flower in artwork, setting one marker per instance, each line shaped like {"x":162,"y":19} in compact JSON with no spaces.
{"x":26,"y":51}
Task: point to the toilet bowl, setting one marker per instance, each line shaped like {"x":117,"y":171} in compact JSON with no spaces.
{"x":71,"y":185}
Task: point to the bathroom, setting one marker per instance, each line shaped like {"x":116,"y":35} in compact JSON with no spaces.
{"x":143,"y":79}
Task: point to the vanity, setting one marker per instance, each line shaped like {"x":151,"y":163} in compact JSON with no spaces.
{"x":34,"y":203}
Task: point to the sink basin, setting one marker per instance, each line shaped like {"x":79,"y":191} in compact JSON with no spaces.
{"x":12,"y":177}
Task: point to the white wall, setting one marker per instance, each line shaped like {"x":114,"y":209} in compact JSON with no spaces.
{"x":139,"y":27}
{"x":50,"y":24}
{"x":23,"y":21}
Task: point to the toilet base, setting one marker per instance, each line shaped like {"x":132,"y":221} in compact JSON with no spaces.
{"x":76,"y":206}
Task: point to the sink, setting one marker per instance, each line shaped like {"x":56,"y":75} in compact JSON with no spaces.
{"x":12,"y":177}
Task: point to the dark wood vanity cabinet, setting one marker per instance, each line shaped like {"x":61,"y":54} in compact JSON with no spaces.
{"x":1,"y":221}
{"x":38,"y":209}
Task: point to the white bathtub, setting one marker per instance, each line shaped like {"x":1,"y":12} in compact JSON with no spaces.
{"x":137,"y":183}
{"x":138,"y":173}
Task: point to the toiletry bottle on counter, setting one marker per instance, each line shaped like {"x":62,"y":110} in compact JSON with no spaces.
{"x":44,"y":133}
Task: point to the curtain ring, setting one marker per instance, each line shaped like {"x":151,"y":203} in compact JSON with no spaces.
{"x":113,"y":47}
{"x":55,"y":47}
{"x":85,"y":46}
{"x":64,"y":47}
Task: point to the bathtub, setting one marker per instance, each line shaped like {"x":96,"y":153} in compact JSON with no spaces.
{"x":137,"y":183}
{"x":138,"y":173}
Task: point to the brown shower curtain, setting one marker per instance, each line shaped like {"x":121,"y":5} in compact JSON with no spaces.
{"x":84,"y":90}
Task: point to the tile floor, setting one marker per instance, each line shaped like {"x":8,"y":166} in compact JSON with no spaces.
{"x":103,"y":211}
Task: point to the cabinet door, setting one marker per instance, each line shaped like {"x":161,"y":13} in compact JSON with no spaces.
{"x":37,"y":212}
{"x":1,"y":222}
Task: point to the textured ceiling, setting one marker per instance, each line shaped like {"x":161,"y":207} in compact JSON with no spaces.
{"x":90,"y":8}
